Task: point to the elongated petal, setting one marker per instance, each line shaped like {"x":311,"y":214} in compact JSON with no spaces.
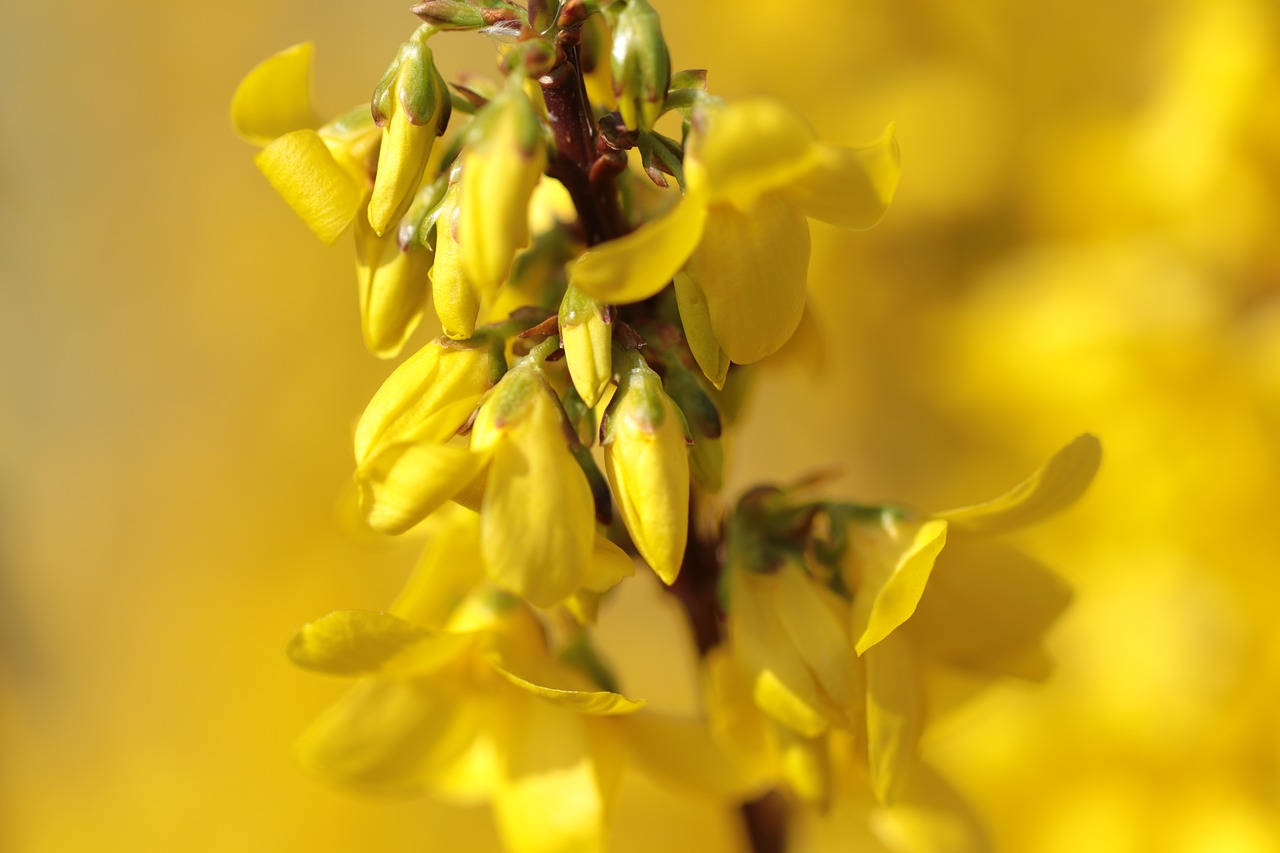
{"x":683,"y":752}
{"x":931,"y":816}
{"x":582,"y":701}
{"x":819,"y":637}
{"x":275,"y":97}
{"x":537,"y":524}
{"x":753,"y":269}
{"x":640,"y":264}
{"x":893,"y":715}
{"x":894,"y":564}
{"x":392,"y":735}
{"x":301,"y":168}
{"x":986,"y":602}
{"x":1061,"y":481}
{"x":404,"y":483}
{"x":695,"y":318}
{"x":550,"y":799}
{"x":395,"y":286}
{"x":448,"y":570}
{"x":364,"y":642}
{"x":782,"y":686}
{"x":746,"y":148}
{"x":849,"y":187}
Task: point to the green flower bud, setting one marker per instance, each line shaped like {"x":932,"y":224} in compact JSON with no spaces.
{"x":641,"y":65}
{"x":411,"y":104}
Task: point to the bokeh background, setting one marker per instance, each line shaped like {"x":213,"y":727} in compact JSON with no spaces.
{"x":1084,"y":240}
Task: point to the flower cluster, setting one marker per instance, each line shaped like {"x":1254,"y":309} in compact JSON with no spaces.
{"x":591,"y":314}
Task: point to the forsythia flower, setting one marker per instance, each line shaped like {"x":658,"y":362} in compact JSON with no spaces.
{"x":818,"y":663}
{"x":754,"y":172}
{"x":459,"y":695}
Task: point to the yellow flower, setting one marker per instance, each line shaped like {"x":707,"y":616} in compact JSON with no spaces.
{"x":404,"y":467}
{"x":647,"y":460}
{"x":459,"y":695}
{"x":818,"y":663}
{"x":587,"y":337}
{"x":754,"y":173}
{"x":538,"y":514}
{"x":321,"y":173}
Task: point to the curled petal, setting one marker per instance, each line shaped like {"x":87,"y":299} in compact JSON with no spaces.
{"x":637,"y":266}
{"x":849,"y":187}
{"x":275,"y":97}
{"x":363,"y":642}
{"x":893,"y":567}
{"x":404,"y":483}
{"x":1058,"y":484}
{"x":300,"y":166}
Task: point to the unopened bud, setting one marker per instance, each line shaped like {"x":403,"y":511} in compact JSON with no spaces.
{"x":641,"y":65}
{"x":586,"y":334}
{"x":456,"y":301}
{"x":646,"y":458}
{"x":501,"y":166}
{"x":411,"y":104}
{"x":394,"y":286}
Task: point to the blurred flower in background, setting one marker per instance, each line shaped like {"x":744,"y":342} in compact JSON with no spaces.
{"x":1082,"y":241}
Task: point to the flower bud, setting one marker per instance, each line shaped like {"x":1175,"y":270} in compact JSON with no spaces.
{"x":586,"y":334}
{"x":641,"y":65}
{"x":646,"y":458}
{"x":456,"y":302}
{"x":501,"y":166}
{"x":411,"y":104}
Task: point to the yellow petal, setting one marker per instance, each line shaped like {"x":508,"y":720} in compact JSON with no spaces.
{"x":893,"y":715}
{"x":394,"y":288}
{"x":746,"y":148}
{"x":581,"y":701}
{"x":301,"y":168}
{"x":893,"y":565}
{"x":753,"y":269}
{"x":550,"y":799}
{"x":849,"y":187}
{"x":404,"y":483}
{"x":392,"y":735}
{"x":819,"y":637}
{"x":746,"y":735}
{"x":683,"y":752}
{"x":695,"y":318}
{"x":931,"y":816}
{"x":588,"y":345}
{"x":637,"y":266}
{"x":987,"y":606}
{"x":609,"y":565}
{"x":1061,"y":481}
{"x":538,"y":519}
{"x":806,"y":768}
{"x":448,"y":570}
{"x":402,"y":160}
{"x":275,"y":97}
{"x":456,"y":300}
{"x":364,"y":642}
{"x":782,"y":686}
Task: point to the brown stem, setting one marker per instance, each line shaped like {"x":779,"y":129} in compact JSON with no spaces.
{"x":587,"y":174}
{"x":587,"y":167}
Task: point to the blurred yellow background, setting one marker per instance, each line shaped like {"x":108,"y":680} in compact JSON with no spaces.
{"x":1083,"y":240}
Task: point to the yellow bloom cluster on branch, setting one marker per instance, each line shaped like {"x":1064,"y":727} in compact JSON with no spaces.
{"x":568,"y":423}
